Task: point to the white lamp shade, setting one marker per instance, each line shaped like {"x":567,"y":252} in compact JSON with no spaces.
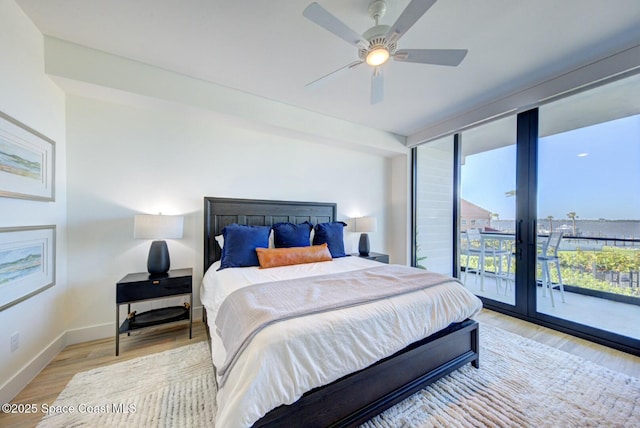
{"x":147,"y":226}
{"x":365,"y":224}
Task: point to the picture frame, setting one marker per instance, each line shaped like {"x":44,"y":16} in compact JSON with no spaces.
{"x":27,"y":262}
{"x":27,"y":162}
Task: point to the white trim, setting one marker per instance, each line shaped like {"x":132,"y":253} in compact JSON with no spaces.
{"x":20,"y":380}
{"x":87,"y":334}
{"x":626,"y":61}
{"x":13,"y":386}
{"x":104,"y":331}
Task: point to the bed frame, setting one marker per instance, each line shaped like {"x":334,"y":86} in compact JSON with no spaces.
{"x":355,"y":398}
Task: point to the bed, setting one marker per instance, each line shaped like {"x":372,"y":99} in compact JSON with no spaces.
{"x":316,"y":401}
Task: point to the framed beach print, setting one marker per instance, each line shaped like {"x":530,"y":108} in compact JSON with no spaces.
{"x":27,"y":262}
{"x":27,"y":160}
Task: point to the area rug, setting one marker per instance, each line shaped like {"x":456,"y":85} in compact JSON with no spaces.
{"x":520,"y":383}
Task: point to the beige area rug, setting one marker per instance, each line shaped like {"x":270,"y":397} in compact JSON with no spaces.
{"x":520,"y":383}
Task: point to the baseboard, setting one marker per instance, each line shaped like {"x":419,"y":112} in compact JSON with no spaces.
{"x":13,"y":386}
{"x":87,"y":334}
{"x":30,"y":370}
{"x":103,"y":331}
{"x":197,"y":313}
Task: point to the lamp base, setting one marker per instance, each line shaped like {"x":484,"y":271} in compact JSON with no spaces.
{"x":158,"y":262}
{"x":363,"y":246}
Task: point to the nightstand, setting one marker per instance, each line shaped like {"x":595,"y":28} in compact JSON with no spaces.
{"x":378,"y":257}
{"x":140,"y":287}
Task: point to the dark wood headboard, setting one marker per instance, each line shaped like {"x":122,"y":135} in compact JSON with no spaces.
{"x":220,"y":212}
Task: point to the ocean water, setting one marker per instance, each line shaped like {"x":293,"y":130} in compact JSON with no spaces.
{"x":618,"y":229}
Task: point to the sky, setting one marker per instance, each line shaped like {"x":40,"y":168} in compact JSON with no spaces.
{"x":592,"y":171}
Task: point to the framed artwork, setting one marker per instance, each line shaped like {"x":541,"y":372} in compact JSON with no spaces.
{"x":27,"y":262}
{"x":27,"y":160}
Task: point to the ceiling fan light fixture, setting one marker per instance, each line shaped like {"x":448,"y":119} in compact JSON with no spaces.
{"x":377,"y":56}
{"x":379,"y":43}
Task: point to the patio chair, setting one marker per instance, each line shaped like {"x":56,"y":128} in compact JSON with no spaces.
{"x":473,"y":248}
{"x":510,"y":275}
{"x":484,"y":249}
{"x":548,"y":255}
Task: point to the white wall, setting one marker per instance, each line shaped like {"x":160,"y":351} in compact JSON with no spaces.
{"x":434,"y":205}
{"x":399,"y":230}
{"x":125,"y":151}
{"x":128,"y":159}
{"x":29,"y":96}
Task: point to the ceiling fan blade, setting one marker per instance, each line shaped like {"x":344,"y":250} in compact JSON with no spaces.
{"x":377,"y":86}
{"x":333,"y":73}
{"x":451,"y":57}
{"x":409,"y":16}
{"x":319,"y":15}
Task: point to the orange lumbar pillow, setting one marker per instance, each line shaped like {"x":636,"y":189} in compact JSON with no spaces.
{"x":273,"y":257}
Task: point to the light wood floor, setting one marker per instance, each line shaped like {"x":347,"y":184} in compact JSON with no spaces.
{"x":73,"y":359}
{"x":86,"y":356}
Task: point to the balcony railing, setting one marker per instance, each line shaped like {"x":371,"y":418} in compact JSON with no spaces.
{"x":602,"y":267}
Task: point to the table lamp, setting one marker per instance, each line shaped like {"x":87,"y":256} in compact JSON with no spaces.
{"x":158,"y":227}
{"x":364,"y":224}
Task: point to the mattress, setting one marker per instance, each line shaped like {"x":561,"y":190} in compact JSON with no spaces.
{"x":287,"y":359}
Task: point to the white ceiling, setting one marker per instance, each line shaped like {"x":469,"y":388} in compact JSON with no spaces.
{"x":267,"y":48}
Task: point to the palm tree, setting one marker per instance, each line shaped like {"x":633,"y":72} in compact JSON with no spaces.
{"x":510,"y":193}
{"x":572,"y":215}
{"x":550,"y":218}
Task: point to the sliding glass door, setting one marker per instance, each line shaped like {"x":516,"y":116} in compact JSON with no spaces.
{"x":588,"y":180}
{"x":488,"y":206}
{"x":553,"y":193}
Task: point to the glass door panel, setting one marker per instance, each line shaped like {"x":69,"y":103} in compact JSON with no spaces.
{"x":487,"y":206}
{"x":588,"y":177}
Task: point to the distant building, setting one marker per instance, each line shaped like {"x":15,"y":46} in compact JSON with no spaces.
{"x":473,"y":216}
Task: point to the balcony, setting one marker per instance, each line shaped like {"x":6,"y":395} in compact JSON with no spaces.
{"x":601,"y":282}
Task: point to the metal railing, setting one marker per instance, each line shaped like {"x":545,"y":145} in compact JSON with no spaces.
{"x":602,"y":264}
{"x":604,"y":267}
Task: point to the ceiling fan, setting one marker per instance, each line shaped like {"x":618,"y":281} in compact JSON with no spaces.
{"x":379,"y":43}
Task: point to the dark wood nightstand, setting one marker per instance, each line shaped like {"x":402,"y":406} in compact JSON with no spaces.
{"x":378,"y":257}
{"x":139,"y":287}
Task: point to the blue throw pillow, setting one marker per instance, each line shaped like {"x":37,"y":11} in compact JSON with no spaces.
{"x":333,"y":235}
{"x":240,"y":243}
{"x":287,"y":235}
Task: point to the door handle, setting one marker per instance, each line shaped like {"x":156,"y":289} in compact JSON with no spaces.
{"x":519,"y":231}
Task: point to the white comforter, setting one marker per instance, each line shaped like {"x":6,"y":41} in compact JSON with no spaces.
{"x":287,"y":359}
